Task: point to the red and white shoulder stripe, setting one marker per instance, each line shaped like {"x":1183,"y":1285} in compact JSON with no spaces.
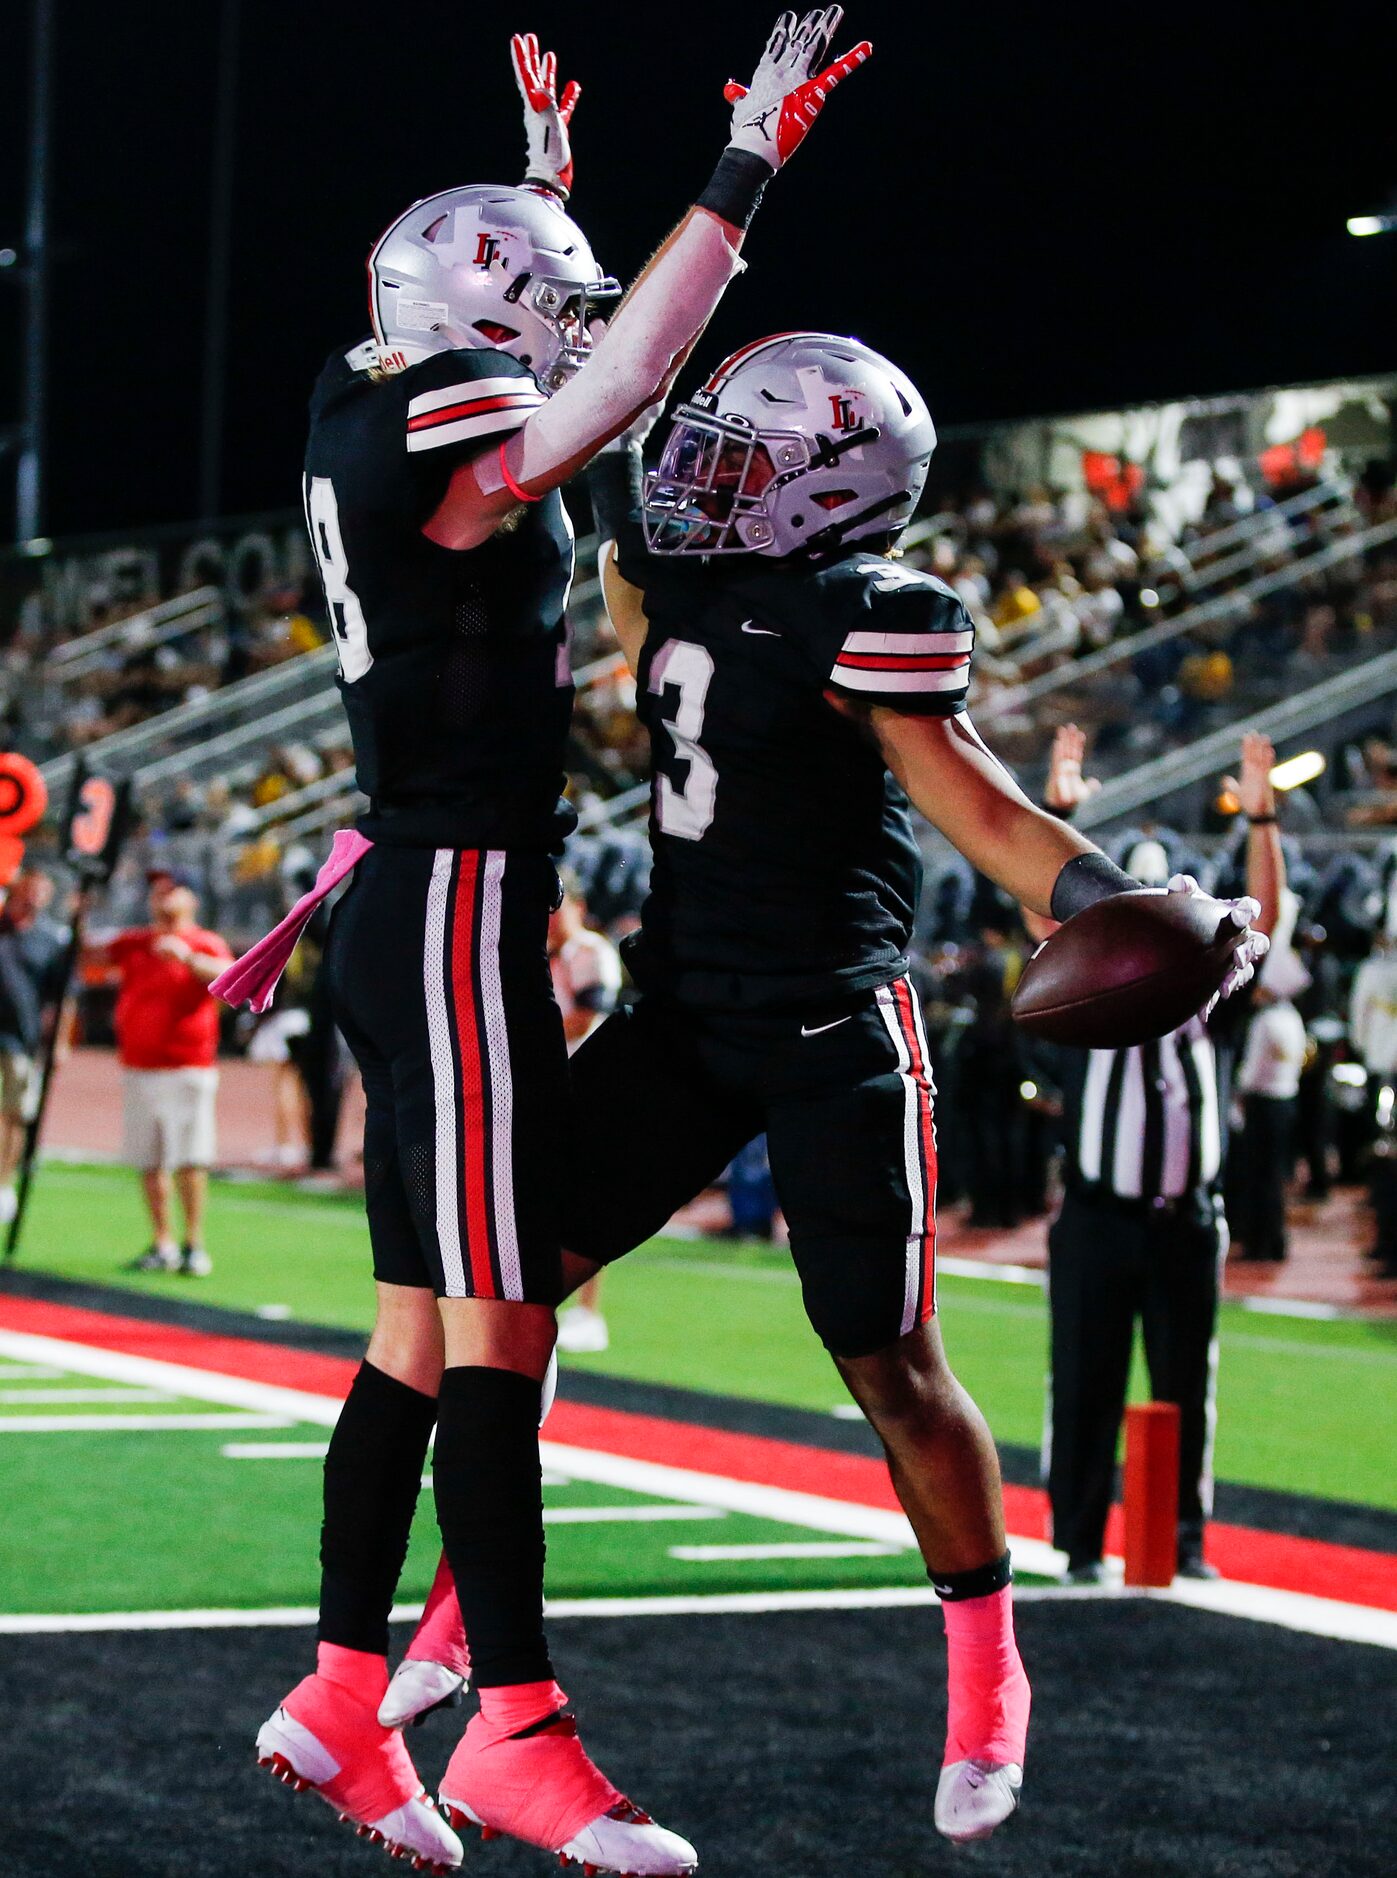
{"x":461,"y":413}
{"x":905,"y":662}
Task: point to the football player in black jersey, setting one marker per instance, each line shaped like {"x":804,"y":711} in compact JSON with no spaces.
{"x":436,"y":452}
{"x":799,"y":685}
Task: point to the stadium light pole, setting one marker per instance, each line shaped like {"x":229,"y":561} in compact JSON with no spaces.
{"x":34,"y":278}
{"x":220,"y":265}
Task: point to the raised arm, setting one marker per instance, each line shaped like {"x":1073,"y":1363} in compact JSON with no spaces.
{"x":1265,"y":857}
{"x":671,"y":301}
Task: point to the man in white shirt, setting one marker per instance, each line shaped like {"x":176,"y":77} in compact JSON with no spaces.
{"x":586,"y":970}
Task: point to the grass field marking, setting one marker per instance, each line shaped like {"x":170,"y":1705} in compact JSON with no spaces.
{"x":138,"y":1424}
{"x":1293,"y":1610}
{"x":198,"y":1385}
{"x":645,"y":1513}
{"x":275,"y":1450}
{"x":42,"y":1398}
{"x":702,"y":1604}
{"x":30,"y":1372}
{"x":781,"y":1504}
{"x":997,"y":1274}
{"x":791,"y":1548}
{"x":1351,"y":1353}
{"x":1346,"y":1623}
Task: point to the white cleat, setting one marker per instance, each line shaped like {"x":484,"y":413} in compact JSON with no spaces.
{"x":973,"y":1797}
{"x":417,"y":1688}
{"x":414,"y":1831}
{"x":624,"y":1841}
{"x":628,"y":1841}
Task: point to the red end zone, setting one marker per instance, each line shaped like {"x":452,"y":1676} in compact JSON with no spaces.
{"x":1348,"y":1574}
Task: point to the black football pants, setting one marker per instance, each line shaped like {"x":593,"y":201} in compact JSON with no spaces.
{"x":1107,"y":1266}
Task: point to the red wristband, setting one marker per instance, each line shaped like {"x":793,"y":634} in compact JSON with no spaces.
{"x":520,"y":495}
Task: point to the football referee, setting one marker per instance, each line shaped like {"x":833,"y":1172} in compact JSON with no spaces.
{"x":1141,"y":1233}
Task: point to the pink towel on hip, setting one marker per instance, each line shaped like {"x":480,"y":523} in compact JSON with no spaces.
{"x":253,"y":978}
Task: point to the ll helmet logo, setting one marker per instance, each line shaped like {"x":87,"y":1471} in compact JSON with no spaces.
{"x":486,"y":248}
{"x":843,"y":419}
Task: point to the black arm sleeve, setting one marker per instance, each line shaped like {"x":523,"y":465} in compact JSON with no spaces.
{"x":614,"y":485}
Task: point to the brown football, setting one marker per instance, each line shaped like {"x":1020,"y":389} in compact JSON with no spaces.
{"x":1127,"y":969}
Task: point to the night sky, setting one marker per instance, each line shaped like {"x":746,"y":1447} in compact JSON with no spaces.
{"x":1031,"y":208}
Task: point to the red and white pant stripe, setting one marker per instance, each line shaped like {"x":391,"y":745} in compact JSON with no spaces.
{"x":902,"y":1015}
{"x":472,"y":1086}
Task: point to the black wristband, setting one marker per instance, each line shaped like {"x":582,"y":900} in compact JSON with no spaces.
{"x":735,"y":187}
{"x":1086,"y":879}
{"x":1066,"y":814}
{"x":1263,"y":821}
{"x":614,"y":484}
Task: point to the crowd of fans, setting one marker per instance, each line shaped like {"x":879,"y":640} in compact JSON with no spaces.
{"x":1049,"y":577}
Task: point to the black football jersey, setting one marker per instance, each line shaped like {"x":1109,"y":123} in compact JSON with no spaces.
{"x":453,"y":665}
{"x":786,"y":870}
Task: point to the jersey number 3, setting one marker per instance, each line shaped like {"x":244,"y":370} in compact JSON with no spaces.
{"x":687,"y":811}
{"x":346,"y":615}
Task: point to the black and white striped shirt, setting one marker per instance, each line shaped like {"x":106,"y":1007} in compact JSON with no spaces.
{"x":1149,"y":1122}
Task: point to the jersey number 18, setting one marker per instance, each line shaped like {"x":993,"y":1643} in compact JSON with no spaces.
{"x":346,"y":615}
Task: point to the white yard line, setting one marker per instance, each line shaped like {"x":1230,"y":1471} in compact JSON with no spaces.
{"x":275,"y":1450}
{"x":605,"y":1515}
{"x":43,"y":1398}
{"x":305,"y":1616}
{"x":1320,"y":1616}
{"x":137,"y":1424}
{"x":794,"y":1548}
{"x":30,"y":1372}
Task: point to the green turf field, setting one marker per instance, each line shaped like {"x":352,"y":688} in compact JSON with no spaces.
{"x":1304,"y":1406}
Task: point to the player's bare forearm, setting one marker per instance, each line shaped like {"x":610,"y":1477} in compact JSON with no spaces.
{"x":963,"y":790}
{"x":1265,"y":874}
{"x":625,"y":608}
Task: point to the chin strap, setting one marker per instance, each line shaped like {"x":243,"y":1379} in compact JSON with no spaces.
{"x":834,"y":534}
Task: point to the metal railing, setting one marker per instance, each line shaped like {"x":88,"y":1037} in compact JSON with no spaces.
{"x":1151,"y":783}
{"x":1064,"y":677}
{"x":138,"y":632}
{"x":1262,"y":521}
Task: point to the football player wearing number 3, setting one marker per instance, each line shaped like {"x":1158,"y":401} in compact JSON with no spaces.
{"x":798,"y":686}
{"x":436,"y":452}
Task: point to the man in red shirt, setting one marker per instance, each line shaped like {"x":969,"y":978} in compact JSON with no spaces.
{"x":167,"y":1039}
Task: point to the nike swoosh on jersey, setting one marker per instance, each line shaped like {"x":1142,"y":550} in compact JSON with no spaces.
{"x":765,"y":631}
{"x":814,"y":1030}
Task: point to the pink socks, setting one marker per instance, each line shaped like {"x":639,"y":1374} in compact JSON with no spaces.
{"x":540,"y":1786}
{"x":989,"y":1696}
{"x":440,"y":1637}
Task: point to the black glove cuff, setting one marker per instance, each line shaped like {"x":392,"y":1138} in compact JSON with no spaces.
{"x":614,"y":484}
{"x":1086,"y":879}
{"x":735,"y":187}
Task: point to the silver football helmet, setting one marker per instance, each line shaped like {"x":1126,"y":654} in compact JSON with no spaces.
{"x":487,"y":266}
{"x":804,"y":441}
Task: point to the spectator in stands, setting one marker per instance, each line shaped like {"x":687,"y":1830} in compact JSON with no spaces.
{"x":1269,"y":1084}
{"x":586,"y":970}
{"x":167,"y":1039}
{"x":33,"y":950}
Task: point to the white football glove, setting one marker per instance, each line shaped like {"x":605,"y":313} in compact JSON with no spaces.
{"x":546,"y":115}
{"x":1249,"y":953}
{"x":772,"y":114}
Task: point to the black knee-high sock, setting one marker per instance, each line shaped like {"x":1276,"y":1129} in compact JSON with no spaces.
{"x":489,"y":1494}
{"x":373,"y":1473}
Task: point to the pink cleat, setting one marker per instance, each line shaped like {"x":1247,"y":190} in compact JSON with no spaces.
{"x":534,"y":1781}
{"x":326,"y":1738}
{"x":987,"y":1719}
